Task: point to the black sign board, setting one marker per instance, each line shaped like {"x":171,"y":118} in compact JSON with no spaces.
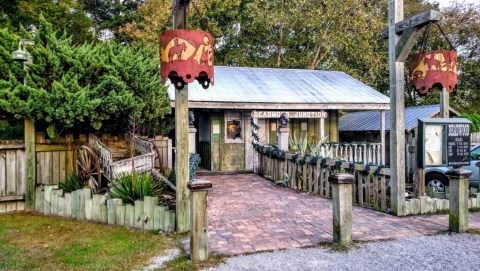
{"x":458,"y":143}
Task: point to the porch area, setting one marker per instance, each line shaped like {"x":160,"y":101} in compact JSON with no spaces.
{"x":248,"y":213}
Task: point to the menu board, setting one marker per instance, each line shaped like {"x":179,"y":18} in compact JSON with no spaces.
{"x":458,"y":144}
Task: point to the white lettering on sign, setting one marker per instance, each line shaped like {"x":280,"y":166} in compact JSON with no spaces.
{"x":290,"y":114}
{"x":458,"y":129}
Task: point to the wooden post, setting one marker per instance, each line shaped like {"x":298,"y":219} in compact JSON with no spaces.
{"x":30,"y":164}
{"x":458,"y":216}
{"x":283,"y":133}
{"x":180,"y":21}
{"x":342,"y":207}
{"x":382,"y":136}
{"x":199,"y":219}
{"x":397,"y":112}
{"x":444,"y":103}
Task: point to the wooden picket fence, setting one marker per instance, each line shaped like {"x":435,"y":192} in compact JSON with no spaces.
{"x":81,"y":205}
{"x":12,"y":175}
{"x":310,"y":174}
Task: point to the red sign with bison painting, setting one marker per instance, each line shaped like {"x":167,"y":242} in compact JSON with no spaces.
{"x":186,"y":55}
{"x":433,"y":69}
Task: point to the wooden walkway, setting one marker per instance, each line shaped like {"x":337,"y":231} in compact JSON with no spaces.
{"x":248,"y":213}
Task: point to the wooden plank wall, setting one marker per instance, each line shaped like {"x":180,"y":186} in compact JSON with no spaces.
{"x":12,"y":176}
{"x":55,"y":158}
{"x":163,"y":147}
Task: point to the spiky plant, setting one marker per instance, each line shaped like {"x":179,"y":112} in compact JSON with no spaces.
{"x":71,"y":183}
{"x":132,"y":187}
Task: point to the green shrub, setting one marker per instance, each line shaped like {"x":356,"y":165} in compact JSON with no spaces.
{"x":72,"y":183}
{"x":10,"y":132}
{"x":193,"y":165}
{"x":132,"y":187}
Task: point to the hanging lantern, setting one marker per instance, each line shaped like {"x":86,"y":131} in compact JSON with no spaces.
{"x":186,"y":55}
{"x":433,"y":69}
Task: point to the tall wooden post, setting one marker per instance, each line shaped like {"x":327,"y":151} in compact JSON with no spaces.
{"x":444,"y":104}
{"x":180,"y":21}
{"x":30,"y":164}
{"x":397,"y":112}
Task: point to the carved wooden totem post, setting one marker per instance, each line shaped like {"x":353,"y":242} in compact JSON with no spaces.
{"x":185,"y":56}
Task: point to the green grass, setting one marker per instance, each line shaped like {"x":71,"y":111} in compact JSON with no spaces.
{"x":34,"y":242}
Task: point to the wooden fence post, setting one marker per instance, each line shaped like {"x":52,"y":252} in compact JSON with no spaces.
{"x":199,"y":219}
{"x":458,"y":217}
{"x":342,"y":207}
{"x":30,"y":164}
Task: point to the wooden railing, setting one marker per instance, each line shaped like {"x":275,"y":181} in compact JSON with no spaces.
{"x":310,"y":174}
{"x":368,"y":153}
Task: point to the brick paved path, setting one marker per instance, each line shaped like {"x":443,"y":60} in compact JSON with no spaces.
{"x":248,"y":213}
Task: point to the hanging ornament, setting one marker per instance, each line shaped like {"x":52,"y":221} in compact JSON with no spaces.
{"x":433,"y":69}
{"x":186,"y":55}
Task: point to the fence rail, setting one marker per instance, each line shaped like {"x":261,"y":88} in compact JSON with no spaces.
{"x":310,"y":174}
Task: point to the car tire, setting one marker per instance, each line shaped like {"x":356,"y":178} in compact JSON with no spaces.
{"x":437,"y":181}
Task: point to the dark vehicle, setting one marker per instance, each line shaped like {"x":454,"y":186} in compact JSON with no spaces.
{"x":435,"y":176}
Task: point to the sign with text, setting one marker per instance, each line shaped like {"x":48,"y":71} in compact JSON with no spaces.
{"x":290,"y":114}
{"x":443,"y":142}
{"x":458,"y":144}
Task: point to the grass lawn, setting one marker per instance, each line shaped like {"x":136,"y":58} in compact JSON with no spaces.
{"x":34,"y":242}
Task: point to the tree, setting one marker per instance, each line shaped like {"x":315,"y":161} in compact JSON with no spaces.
{"x":109,"y":15}
{"x":461,"y":23}
{"x":83,"y":86}
{"x":64,"y":15}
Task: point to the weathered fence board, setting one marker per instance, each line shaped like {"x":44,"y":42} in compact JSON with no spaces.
{"x":12,"y":176}
{"x":80,"y":204}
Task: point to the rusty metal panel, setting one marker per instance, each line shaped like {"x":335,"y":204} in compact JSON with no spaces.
{"x":433,"y":69}
{"x":186,"y":55}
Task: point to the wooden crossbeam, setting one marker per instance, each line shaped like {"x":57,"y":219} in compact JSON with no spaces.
{"x":420,"y":19}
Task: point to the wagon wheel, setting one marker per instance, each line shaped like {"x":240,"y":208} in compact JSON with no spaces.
{"x":88,"y":166}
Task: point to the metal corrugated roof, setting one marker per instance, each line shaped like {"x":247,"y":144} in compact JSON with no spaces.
{"x":370,"y":120}
{"x":283,"y":86}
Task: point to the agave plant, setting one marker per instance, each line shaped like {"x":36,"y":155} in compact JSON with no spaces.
{"x":300,"y":145}
{"x":132,"y":187}
{"x":71,"y":183}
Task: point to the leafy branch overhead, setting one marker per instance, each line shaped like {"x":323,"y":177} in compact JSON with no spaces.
{"x":90,"y":85}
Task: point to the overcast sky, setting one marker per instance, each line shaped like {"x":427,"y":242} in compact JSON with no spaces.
{"x":445,"y":3}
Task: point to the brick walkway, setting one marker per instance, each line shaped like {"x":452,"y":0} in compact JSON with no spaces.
{"x":248,"y":213}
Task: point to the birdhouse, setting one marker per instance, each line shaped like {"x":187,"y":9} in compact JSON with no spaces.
{"x":433,"y":69}
{"x":185,"y":56}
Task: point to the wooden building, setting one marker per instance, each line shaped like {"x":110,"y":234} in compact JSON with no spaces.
{"x":224,"y":113}
{"x":365,"y":126}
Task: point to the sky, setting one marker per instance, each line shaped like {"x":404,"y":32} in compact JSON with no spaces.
{"x":446,"y":3}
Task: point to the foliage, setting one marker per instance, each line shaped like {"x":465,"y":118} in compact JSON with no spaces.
{"x":68,"y":244}
{"x":132,"y":187}
{"x":71,"y":183}
{"x":65,"y":16}
{"x":86,"y":86}
{"x":298,"y":145}
{"x":10,"y":132}
{"x":170,"y":175}
{"x":475,"y":119}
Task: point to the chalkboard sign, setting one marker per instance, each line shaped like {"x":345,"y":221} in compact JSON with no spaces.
{"x":458,"y":144}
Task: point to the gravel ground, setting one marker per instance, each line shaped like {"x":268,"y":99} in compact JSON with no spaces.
{"x":440,"y":252}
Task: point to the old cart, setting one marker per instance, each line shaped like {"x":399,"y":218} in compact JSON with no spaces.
{"x":109,"y":157}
